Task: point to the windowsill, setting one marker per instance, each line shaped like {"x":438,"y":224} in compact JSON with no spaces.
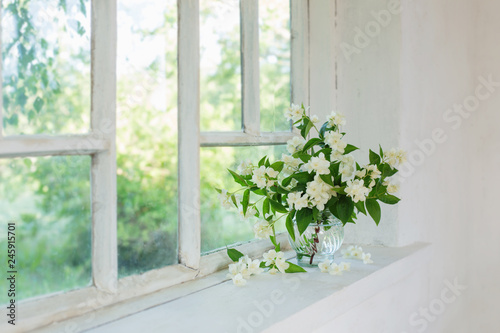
{"x":267,"y":302}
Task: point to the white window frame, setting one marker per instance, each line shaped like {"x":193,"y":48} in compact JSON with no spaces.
{"x":100,"y":144}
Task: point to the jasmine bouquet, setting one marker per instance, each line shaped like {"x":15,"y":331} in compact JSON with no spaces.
{"x":318,"y":177}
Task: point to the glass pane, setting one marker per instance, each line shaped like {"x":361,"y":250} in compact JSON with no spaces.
{"x":221,"y":227}
{"x":46,"y":66}
{"x":48,"y":199}
{"x":147,"y":135}
{"x":220,"y":69}
{"x":274,"y":41}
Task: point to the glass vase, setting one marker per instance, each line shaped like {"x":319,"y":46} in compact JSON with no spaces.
{"x":319,"y":241}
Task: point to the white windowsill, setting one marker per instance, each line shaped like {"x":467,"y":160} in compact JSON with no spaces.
{"x":267,"y":303}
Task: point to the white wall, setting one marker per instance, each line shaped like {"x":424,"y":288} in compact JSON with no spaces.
{"x":484,"y":223}
{"x":401,"y":90}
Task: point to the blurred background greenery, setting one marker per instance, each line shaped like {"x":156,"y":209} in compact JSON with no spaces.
{"x":46,"y":90}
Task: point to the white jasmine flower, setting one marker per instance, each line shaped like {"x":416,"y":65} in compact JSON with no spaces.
{"x":262,"y":229}
{"x":395,"y":157}
{"x":345,"y":266}
{"x":334,"y":140}
{"x":347,"y":166}
{"x":324,"y":266}
{"x":225,"y":199}
{"x":291,"y":164}
{"x":356,"y":190}
{"x":391,"y":188}
{"x":234,"y":269}
{"x":251,"y":211}
{"x":271,"y":172}
{"x":295,"y":144}
{"x":239,"y":281}
{"x":273,"y":271}
{"x":335,"y":269}
{"x":254,"y":267}
{"x":367,"y":258}
{"x":293,"y":198}
{"x":314,"y":119}
{"x":361,"y":173}
{"x":294,"y":112}
{"x":276,"y":258}
{"x":374,"y":171}
{"x":352,"y":251}
{"x":282,"y":265}
{"x":336,"y":119}
{"x":245,"y":260}
{"x":318,"y":164}
{"x":259,"y":177}
{"x":372,"y":183}
{"x":269,"y":257}
{"x":319,"y":192}
{"x":336,"y":155}
{"x":301,"y":202}
{"x":245,"y":168}
{"x":357,"y":253}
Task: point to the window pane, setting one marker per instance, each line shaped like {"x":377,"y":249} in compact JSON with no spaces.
{"x":46,"y":66}
{"x":221,"y":227}
{"x":220,"y":71}
{"x":274,"y":41}
{"x":48,"y":199}
{"x":147,"y":135}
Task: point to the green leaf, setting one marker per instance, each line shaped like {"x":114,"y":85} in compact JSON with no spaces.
{"x":374,"y":209}
{"x":334,"y":168}
{"x":294,"y":268}
{"x":323,"y":129}
{"x":279,"y":189}
{"x":289,"y":226}
{"x":374,"y":158}
{"x":262,"y":264}
{"x":303,"y":156}
{"x":311,"y":143}
{"x":218,"y":189}
{"x":233,"y":199}
{"x":381,"y":151}
{"x":306,"y":127}
{"x":360,"y":205}
{"x":327,"y":179}
{"x":238,"y":178}
{"x":258,"y":191}
{"x":82,"y":8}
{"x":265,"y":207}
{"x":345,"y":207}
{"x":350,"y":148}
{"x":262,"y":161}
{"x":234,"y":254}
{"x":388,"y":171}
{"x":389,"y":199}
{"x":245,"y":201}
{"x":302,"y":177}
{"x":286,"y":181}
{"x":304,"y":218}
{"x":340,"y":190}
{"x":299,"y":188}
{"x":331,"y":202}
{"x":278,"y":166}
{"x":38,"y":104}
{"x":277,"y":206}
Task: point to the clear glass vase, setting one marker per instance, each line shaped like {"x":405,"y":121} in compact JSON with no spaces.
{"x":319,"y":241}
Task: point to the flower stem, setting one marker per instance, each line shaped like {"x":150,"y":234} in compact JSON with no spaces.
{"x":314,"y":247}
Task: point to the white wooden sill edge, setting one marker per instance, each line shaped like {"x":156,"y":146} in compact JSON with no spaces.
{"x":267,"y":303}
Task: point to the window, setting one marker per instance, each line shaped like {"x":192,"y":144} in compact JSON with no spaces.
{"x":101,"y":168}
